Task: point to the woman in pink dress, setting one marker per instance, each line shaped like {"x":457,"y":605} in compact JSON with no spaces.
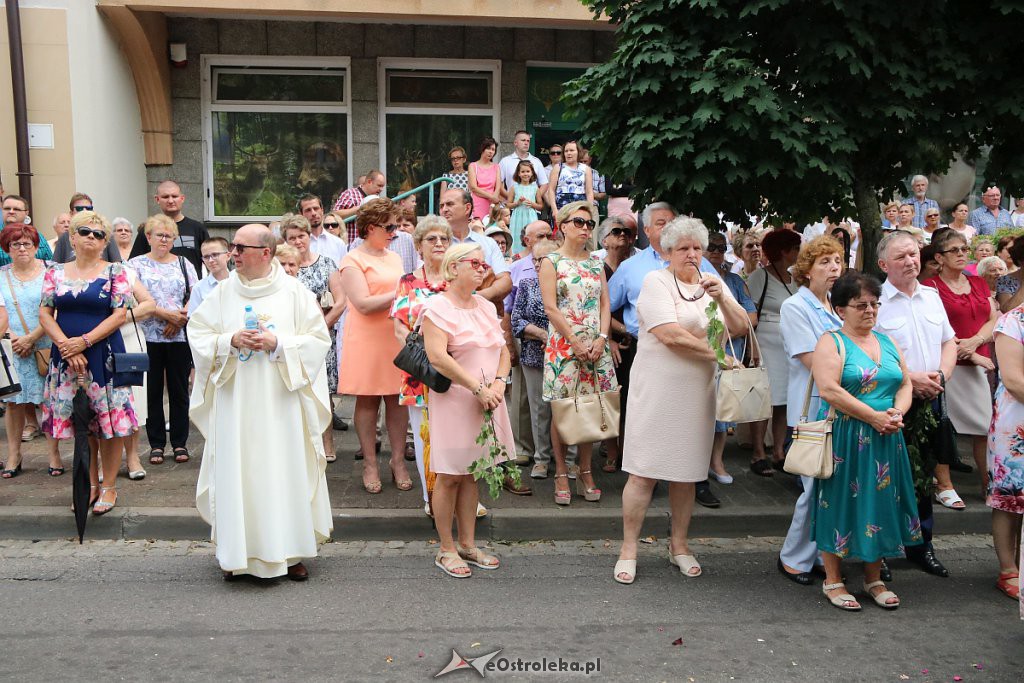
{"x":463,"y":339}
{"x":483,"y":179}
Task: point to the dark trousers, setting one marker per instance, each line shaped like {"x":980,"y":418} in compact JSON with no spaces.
{"x":926,"y":460}
{"x":173,"y":360}
{"x":622,"y":376}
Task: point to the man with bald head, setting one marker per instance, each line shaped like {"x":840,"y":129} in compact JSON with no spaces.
{"x":260,"y":400}
{"x":191,"y":233}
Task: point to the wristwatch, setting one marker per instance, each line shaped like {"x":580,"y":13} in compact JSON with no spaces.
{"x":603,"y":336}
{"x":507,"y":378}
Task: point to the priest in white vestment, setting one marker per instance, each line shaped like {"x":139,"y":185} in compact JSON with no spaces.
{"x":260,"y":399}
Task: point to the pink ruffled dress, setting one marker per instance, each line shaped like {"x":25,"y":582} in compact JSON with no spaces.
{"x":475,"y":342}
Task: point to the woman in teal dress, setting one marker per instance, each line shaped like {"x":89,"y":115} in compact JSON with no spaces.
{"x":867,"y":509}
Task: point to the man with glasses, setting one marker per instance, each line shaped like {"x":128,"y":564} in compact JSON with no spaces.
{"x":350,"y":200}
{"x":216,"y":255}
{"x":62,"y":249}
{"x":521,"y":152}
{"x":191,"y":233}
{"x":320,"y":241}
{"x":261,"y":485}
{"x":990,"y":217}
{"x":921,"y":203}
{"x":15,"y":210}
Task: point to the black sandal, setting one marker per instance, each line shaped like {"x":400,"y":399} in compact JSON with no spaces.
{"x":55,"y":471}
{"x":156,"y":456}
{"x":762,"y":468}
{"x":181,"y":455}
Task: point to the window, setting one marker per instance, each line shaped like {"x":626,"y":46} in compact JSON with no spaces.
{"x":429,"y":106}
{"x":274,"y":129}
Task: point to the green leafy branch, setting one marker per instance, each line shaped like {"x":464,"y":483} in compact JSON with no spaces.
{"x":716,"y":332}
{"x":489,"y":466}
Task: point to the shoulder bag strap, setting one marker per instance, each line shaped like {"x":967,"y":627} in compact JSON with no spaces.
{"x":17,"y":306}
{"x":760,"y":302}
{"x":188,"y":287}
{"x":810,"y":383}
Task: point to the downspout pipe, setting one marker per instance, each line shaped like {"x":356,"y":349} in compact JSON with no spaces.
{"x":18,"y":92}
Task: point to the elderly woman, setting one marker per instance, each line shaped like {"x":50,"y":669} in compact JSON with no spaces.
{"x":81,"y":308}
{"x":169,"y":279}
{"x":288,"y":257}
{"x":747,"y":247}
{"x":124,"y":237}
{"x":867,"y":509}
{"x":983,"y":248}
{"x":806,"y":316}
{"x":320,"y":275}
{"x":769,"y":287}
{"x":464,"y":341}
{"x":973,"y":315}
{"x":431,"y":237}
{"x":1009,"y":292}
{"x":674,"y":371}
{"x":21,"y":286}
{"x":369,"y":276}
{"x":989,"y":269}
{"x":575,"y":294}
{"x":1005,"y":491}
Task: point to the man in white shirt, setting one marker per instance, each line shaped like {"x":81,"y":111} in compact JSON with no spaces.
{"x":912,"y":315}
{"x":320,"y":241}
{"x":216,"y":254}
{"x":507,"y":165}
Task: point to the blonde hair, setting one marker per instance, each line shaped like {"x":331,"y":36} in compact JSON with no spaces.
{"x":91,"y":218}
{"x":822,"y":245}
{"x":452,"y":256}
{"x":156,"y":221}
{"x":342,"y":232}
{"x":570,"y":209}
{"x":430,"y":223}
{"x":287,"y":251}
{"x":294,"y":221}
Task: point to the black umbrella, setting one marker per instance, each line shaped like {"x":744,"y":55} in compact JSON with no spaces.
{"x":81,"y":416}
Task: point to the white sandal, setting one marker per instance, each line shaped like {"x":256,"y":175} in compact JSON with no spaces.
{"x":840,"y":601}
{"x":949,"y":499}
{"x":882,"y":598}
{"x":685,"y":564}
{"x":627,"y":567}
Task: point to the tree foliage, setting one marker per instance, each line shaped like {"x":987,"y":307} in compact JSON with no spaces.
{"x":794,"y":107}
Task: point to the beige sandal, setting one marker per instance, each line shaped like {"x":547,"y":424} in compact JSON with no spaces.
{"x":686,"y":564}
{"x":841,"y":601}
{"x":478,"y":558}
{"x":627,"y":567}
{"x":448,"y":562}
{"x":882,"y":599}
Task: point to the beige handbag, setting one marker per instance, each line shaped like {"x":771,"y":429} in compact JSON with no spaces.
{"x":743,"y":394}
{"x":586,"y":418}
{"x":810,"y":454}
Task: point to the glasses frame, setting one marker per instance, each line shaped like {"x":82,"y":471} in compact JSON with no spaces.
{"x":240,"y":248}
{"x":23,"y":246}
{"x":86,"y":231}
{"x":476,"y":264}
{"x":214,"y":256}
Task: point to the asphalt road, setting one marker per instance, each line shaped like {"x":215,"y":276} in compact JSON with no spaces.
{"x":137,"y":611}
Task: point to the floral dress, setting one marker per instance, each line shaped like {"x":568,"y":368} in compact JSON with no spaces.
{"x":166,"y":284}
{"x":1006,"y":435}
{"x":578,"y":297}
{"x":867,"y":509}
{"x":572,"y":185}
{"x":410,"y":296}
{"x":316,"y":278}
{"x":27,"y":295}
{"x":80,"y":306}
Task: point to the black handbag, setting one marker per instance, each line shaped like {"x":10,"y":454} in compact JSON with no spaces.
{"x":413,"y":360}
{"x":130,"y":368}
{"x":943,"y":440}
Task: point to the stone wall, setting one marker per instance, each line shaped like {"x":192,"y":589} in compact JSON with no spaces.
{"x":363,"y":43}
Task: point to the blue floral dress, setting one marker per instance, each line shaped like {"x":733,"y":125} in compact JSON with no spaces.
{"x":80,"y":306}
{"x":867,"y":510}
{"x":27,"y":295}
{"x":572,"y":185}
{"x":1006,"y":435}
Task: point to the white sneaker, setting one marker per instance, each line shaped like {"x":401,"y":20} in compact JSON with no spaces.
{"x":539,"y":471}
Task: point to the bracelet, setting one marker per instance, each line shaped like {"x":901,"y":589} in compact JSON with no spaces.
{"x":479,"y":388}
{"x":88,"y":344}
{"x":603,"y":336}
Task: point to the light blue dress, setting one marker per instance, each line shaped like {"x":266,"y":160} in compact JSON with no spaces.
{"x":522,"y":215}
{"x":28,"y":295}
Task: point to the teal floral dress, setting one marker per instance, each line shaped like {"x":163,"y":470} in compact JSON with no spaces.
{"x":578,"y":296}
{"x":867,"y":510}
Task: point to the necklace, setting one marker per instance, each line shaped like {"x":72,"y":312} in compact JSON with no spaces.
{"x":432,"y":287}
{"x":683,"y":296}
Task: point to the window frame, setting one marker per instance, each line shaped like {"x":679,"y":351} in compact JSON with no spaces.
{"x":430,"y":65}
{"x":270,"y":65}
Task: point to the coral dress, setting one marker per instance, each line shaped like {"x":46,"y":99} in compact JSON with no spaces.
{"x":475,"y":341}
{"x":369,"y":345}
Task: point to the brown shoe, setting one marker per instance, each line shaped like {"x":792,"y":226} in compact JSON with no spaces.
{"x":298,"y":572}
{"x":516,"y":490}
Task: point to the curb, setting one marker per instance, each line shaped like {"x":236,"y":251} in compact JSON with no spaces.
{"x":43,"y":523}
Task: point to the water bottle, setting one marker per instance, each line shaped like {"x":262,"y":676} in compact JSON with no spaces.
{"x":251,"y":322}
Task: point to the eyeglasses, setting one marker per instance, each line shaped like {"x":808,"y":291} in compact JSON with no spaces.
{"x":476,"y":264}
{"x":436,"y":239}
{"x":389,"y":228}
{"x":22,"y":246}
{"x":240,"y":248}
{"x":78,"y":209}
{"x":214,"y":256}
{"x":555,"y":153}
{"x":457,"y":157}
{"x":328,"y":226}
{"x":715,"y":247}
{"x":956,"y":250}
{"x":83,"y":231}
{"x":931,"y":215}
{"x":620,"y":232}
{"x":873,"y":305}
{"x":163,"y":237}
{"x":581,"y":223}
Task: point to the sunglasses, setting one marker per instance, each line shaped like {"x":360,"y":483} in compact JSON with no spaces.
{"x":79,"y":209}
{"x":457,"y":158}
{"x":389,"y":228}
{"x":582,"y":223}
{"x":240,"y":248}
{"x":89,"y":232}
{"x":555,"y":153}
{"x":331,"y":225}
{"x":931,"y":215}
{"x":956,"y":250}
{"x":620,"y":232}
{"x":476,"y":263}
{"x":716,"y":247}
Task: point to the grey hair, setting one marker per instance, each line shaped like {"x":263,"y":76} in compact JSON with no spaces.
{"x":428,"y":224}
{"x":121,"y":220}
{"x":656,"y":206}
{"x":294,"y":221}
{"x":918,"y":177}
{"x":683,"y":227}
{"x":987,"y":263}
{"x":894,"y":236}
{"x":606,"y":226}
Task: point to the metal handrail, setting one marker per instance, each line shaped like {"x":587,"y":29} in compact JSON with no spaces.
{"x":430,"y":196}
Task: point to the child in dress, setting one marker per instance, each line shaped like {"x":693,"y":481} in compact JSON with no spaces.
{"x":522,"y":199}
